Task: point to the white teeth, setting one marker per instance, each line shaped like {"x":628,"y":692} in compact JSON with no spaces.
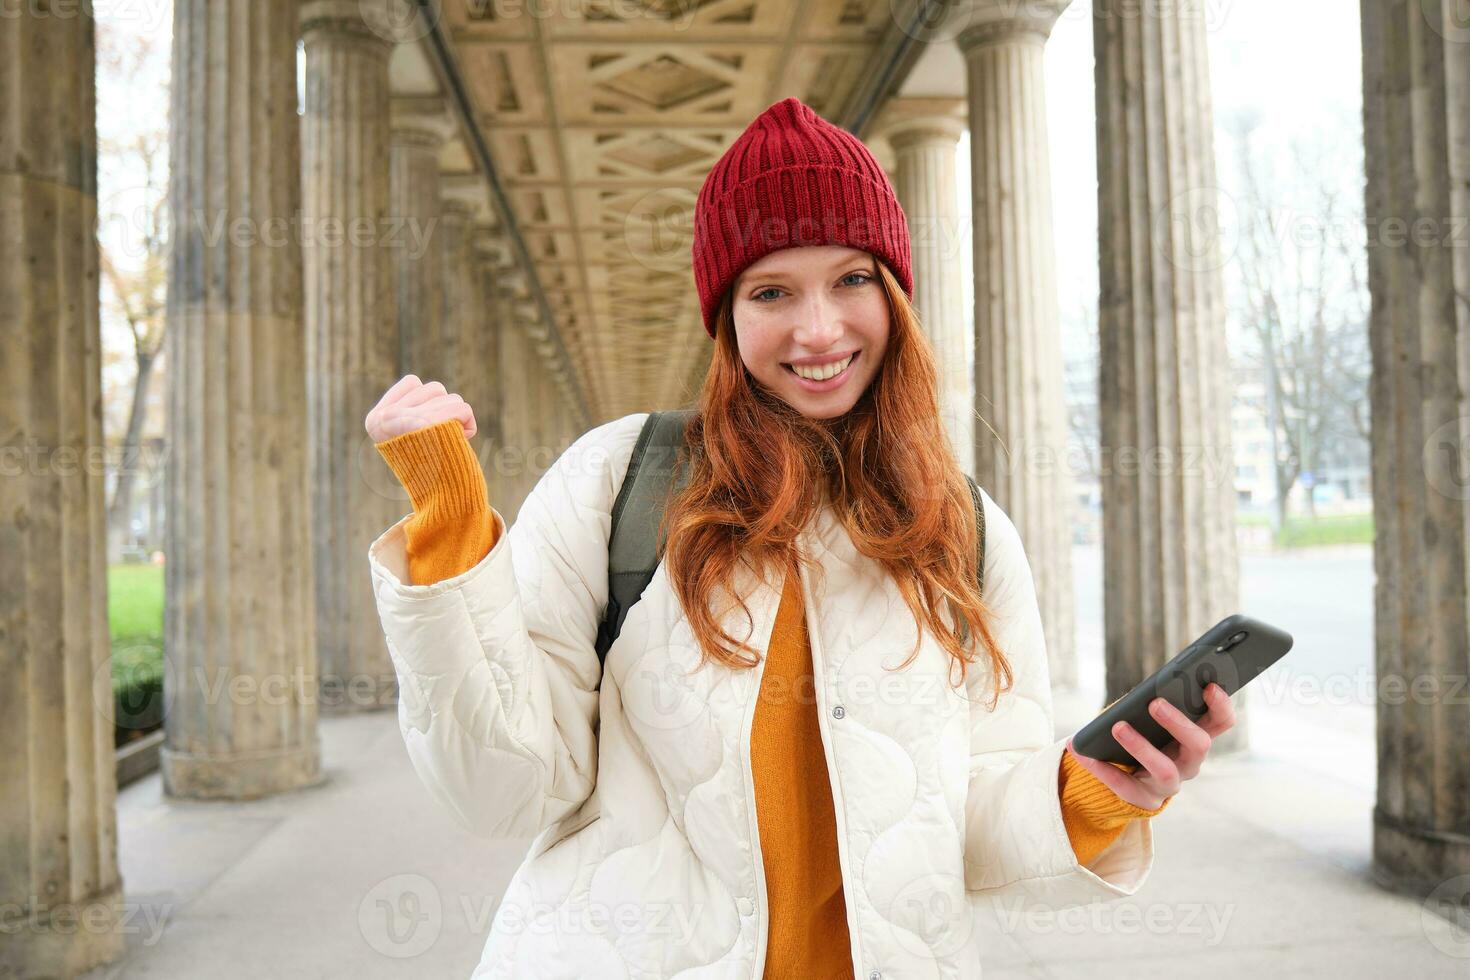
{"x":824,"y":372}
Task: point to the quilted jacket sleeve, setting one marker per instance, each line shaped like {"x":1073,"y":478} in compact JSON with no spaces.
{"x":497,"y":666}
{"x":1016,"y":841}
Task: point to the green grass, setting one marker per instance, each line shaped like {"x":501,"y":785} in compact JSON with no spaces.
{"x":135,"y":601}
{"x":1305,"y":532}
{"x":135,"y":619}
{"x":1301,"y":532}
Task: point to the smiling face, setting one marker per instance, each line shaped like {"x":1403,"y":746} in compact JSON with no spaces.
{"x":812,"y":310}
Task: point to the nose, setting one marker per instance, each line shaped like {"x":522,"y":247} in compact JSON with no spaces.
{"x":819,"y":325}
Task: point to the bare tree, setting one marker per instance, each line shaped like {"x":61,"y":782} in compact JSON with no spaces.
{"x":1300,"y":278}
{"x":133,"y":256}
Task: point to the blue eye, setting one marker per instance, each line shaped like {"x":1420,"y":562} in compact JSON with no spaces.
{"x":863,"y":278}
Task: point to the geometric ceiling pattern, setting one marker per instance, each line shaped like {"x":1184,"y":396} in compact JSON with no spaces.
{"x":602,"y":119}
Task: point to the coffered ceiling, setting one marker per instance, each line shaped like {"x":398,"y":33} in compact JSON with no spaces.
{"x":602,"y":119}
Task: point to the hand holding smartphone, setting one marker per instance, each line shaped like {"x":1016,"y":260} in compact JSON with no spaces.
{"x":1231,"y":653}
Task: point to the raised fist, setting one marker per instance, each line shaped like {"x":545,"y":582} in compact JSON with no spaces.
{"x":411,"y":404}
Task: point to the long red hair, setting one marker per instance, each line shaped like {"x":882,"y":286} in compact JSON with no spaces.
{"x":759,"y":469}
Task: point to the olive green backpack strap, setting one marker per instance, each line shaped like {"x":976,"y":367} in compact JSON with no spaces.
{"x":632,"y":546}
{"x":655,"y":473}
{"x":979,"y":527}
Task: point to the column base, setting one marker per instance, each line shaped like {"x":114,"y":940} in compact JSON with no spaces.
{"x":242,"y":776}
{"x":1415,"y":861}
{"x":66,"y":939}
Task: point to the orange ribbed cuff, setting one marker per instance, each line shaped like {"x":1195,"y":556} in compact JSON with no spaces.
{"x":452,"y":528}
{"x":438,"y":468}
{"x":1094,"y":815}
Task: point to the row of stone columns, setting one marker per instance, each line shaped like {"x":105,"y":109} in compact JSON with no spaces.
{"x":378,"y":310}
{"x":1170,"y":557}
{"x":277,"y":354}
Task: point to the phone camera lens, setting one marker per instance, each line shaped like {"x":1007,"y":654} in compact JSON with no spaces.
{"x":1233,"y":641}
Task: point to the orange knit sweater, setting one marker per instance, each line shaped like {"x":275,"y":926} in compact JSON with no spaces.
{"x":451,"y":530}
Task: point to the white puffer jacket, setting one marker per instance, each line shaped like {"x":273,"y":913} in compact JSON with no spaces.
{"x":635,"y":780}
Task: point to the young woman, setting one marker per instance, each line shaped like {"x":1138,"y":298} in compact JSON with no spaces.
{"x":795,"y":761}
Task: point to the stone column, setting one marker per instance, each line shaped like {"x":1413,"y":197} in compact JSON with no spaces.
{"x":540,"y":405}
{"x":496,"y":374}
{"x":515,"y":400}
{"x":1416,"y":109}
{"x":1021,"y":438}
{"x":419,"y":128}
{"x":58,"y":785}
{"x":1169,"y":553}
{"x":352,"y":338}
{"x":460,"y":346}
{"x":922,"y":134}
{"x":239,"y":610}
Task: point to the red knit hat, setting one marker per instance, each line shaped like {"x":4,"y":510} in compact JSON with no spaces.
{"x":792,"y":179}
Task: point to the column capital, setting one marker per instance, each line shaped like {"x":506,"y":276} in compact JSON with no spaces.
{"x":515,"y":281}
{"x":470,"y":191}
{"x":910,"y":119}
{"x":528,"y":314}
{"x":384,"y":22}
{"x":491,"y":244}
{"x":988,"y":21}
{"x":420,"y":119}
{"x":453,"y":207}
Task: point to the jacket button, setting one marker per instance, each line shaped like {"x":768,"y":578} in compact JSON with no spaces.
{"x":838,"y":712}
{"x":745,"y":905}
{"x":875,"y":975}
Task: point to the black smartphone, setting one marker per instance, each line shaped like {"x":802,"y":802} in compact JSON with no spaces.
{"x":1230,"y":654}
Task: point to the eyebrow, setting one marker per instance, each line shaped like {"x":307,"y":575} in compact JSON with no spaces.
{"x":748,"y":274}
